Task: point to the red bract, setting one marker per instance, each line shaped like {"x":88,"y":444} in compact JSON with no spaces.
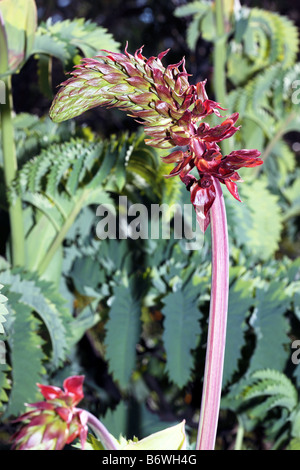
{"x":53,"y":423}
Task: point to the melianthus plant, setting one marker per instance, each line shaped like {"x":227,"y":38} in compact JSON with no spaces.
{"x":173,"y":113}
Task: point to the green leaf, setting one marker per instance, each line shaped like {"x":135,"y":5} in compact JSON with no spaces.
{"x":181,"y":332}
{"x":66,"y":39}
{"x":40,"y":297}
{"x":88,"y":277}
{"x":256,"y":223}
{"x":241,"y":298}
{"x":123,"y":331}
{"x":267,"y":39}
{"x":116,"y":420}
{"x":272,"y":382}
{"x":26,"y":357}
{"x":268,"y":389}
{"x":270,"y":351}
{"x":199,"y":10}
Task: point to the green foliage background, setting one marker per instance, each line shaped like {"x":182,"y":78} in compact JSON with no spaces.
{"x":131,"y":315}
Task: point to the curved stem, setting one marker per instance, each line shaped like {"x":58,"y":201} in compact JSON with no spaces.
{"x":216,"y":341}
{"x":101,"y":432}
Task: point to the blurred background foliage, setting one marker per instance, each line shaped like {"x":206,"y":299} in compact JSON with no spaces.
{"x":111,"y":309}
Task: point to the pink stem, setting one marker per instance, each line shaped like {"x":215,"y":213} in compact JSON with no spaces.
{"x":101,"y":432}
{"x":216,"y":341}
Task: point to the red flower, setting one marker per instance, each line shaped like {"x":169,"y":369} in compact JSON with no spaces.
{"x":205,"y":155}
{"x":53,"y":423}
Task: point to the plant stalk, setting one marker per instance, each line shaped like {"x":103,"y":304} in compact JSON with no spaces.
{"x":10,"y":171}
{"x":101,"y":432}
{"x":216,"y":341}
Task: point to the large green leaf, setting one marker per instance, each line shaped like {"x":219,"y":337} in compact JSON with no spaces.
{"x":123,"y":331}
{"x":241,"y":298}
{"x":41,"y":298}
{"x":26,"y":356}
{"x":256,"y":223}
{"x":270,"y":327}
{"x":181,"y":332}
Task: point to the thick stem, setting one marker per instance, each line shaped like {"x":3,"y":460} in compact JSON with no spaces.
{"x":216,"y":340}
{"x":10,"y":171}
{"x":101,"y":432}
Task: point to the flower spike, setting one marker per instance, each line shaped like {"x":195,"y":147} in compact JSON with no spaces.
{"x":172,"y":111}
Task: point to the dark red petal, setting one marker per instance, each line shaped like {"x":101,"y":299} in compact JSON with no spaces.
{"x":236,"y":177}
{"x":178,"y":168}
{"x":202,"y":200}
{"x":179,"y":140}
{"x":232,"y":188}
{"x":242,"y":158}
{"x":207,"y":166}
{"x":246,"y":153}
{"x":231,"y":119}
